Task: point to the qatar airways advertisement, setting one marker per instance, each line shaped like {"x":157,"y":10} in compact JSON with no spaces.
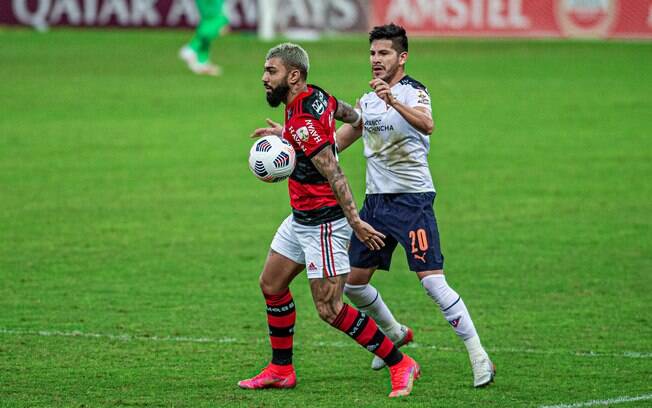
{"x":445,"y":18}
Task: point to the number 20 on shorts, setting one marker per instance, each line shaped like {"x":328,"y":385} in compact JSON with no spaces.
{"x":419,"y":238}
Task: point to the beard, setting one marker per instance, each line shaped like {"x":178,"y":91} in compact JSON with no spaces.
{"x":278,"y":94}
{"x":389,"y":74}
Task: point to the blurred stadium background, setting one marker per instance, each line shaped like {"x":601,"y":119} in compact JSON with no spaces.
{"x":132,"y":232}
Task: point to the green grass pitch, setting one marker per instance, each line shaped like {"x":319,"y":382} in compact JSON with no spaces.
{"x":132,"y":232}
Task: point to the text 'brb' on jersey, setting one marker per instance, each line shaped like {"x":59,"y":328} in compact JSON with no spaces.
{"x":397,"y":153}
{"x":310,"y":128}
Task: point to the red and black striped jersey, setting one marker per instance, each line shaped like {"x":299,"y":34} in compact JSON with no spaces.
{"x":310,"y":127}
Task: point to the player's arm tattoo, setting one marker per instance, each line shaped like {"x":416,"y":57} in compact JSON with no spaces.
{"x":346,"y":113}
{"x":327,"y":165}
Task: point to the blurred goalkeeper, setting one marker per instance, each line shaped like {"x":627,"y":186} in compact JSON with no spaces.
{"x":213,"y":22}
{"x":400,"y":195}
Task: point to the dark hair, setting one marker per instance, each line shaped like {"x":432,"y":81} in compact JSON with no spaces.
{"x":392,"y":32}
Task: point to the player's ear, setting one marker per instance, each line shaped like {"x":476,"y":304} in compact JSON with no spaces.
{"x":294,"y":76}
{"x":402,"y":58}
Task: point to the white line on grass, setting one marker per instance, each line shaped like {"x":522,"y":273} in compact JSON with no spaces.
{"x":121,"y":337}
{"x":227,"y":340}
{"x":617,"y":400}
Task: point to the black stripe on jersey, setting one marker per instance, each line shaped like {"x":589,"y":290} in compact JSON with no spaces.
{"x":305,"y":171}
{"x":318,"y":216}
{"x":408,"y":80}
{"x":315,"y":104}
{"x":320,"y":148}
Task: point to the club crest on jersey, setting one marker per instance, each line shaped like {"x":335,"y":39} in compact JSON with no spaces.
{"x":303,"y":134}
{"x":455,"y":322}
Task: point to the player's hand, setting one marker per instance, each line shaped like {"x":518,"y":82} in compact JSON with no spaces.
{"x":274,"y":129}
{"x":383,"y":90}
{"x":371,"y":238}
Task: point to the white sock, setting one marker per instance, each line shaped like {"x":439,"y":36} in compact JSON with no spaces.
{"x":475,"y":349}
{"x":454,"y":310}
{"x":368,"y":299}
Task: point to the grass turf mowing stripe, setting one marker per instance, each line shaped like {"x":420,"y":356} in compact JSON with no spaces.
{"x":339,"y":344}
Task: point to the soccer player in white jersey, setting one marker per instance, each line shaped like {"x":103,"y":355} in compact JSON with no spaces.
{"x":396,"y":124}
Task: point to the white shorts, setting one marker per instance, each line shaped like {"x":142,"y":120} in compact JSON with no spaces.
{"x":324,"y":249}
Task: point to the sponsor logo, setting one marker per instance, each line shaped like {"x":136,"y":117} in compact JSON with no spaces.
{"x":372,"y":347}
{"x":319,"y":107}
{"x":312,"y":131}
{"x":457,"y":15}
{"x":297,"y":137}
{"x":585,"y":18}
{"x":422,"y":97}
{"x":312,"y":267}
{"x":376,"y":126}
{"x":44,"y":13}
{"x":346,"y":15}
{"x":357,"y":325}
{"x":281,"y":309}
{"x":455,"y":322}
{"x":422,"y":258}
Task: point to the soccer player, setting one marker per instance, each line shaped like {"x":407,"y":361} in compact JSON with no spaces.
{"x":400,"y":196}
{"x":211,"y":23}
{"x":316,"y":235}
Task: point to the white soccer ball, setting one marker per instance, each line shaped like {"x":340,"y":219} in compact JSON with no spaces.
{"x":272,"y":159}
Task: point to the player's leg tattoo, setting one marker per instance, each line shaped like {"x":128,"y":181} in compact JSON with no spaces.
{"x":327,"y":295}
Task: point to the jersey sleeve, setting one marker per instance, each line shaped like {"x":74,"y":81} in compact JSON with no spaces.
{"x":419,"y":97}
{"x":308,"y":134}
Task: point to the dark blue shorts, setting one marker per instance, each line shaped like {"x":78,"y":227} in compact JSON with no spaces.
{"x":406,"y":218}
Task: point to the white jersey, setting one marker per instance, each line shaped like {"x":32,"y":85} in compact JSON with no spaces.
{"x":396,"y":152}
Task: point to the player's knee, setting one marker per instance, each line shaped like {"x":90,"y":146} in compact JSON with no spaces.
{"x":267,"y":285}
{"x":354,"y":293}
{"x":350,"y":290}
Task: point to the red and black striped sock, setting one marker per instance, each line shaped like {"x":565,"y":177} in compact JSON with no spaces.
{"x":281,"y":316}
{"x":364,"y":330}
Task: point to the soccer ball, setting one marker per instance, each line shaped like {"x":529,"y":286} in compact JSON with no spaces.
{"x":271,"y":159}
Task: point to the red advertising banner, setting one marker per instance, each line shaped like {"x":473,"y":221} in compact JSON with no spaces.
{"x":475,"y":18}
{"x":519,"y":18}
